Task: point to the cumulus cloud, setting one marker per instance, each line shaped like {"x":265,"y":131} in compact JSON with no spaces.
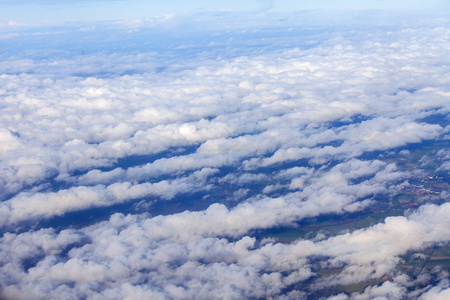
{"x":215,"y":152}
{"x":438,"y":292}
{"x":147,"y":253}
{"x":32,"y":206}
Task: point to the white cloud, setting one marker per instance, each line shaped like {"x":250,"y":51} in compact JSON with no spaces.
{"x":144,"y":252}
{"x":438,"y":292}
{"x":269,"y":138}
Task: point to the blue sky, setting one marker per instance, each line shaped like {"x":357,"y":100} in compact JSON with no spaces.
{"x":35,"y":12}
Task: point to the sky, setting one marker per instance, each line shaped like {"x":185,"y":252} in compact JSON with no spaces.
{"x":32,"y":12}
{"x":152,"y":151}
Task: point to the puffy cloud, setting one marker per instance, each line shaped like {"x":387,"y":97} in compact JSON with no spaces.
{"x":437,"y":292}
{"x":9,"y":140}
{"x":268,"y":138}
{"x":141,"y":251}
{"x":387,"y":290}
{"x":32,"y":206}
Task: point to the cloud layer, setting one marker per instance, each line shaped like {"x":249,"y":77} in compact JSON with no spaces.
{"x":192,"y":164}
